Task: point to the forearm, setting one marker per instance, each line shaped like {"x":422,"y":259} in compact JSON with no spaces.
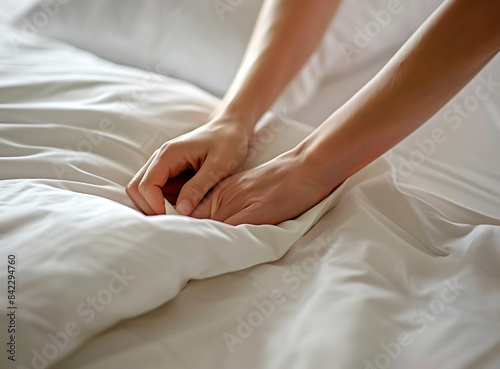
{"x":442,"y":56}
{"x":286,"y":34}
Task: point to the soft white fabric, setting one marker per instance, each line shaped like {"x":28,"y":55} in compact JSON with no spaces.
{"x":10,"y":10}
{"x":364,"y":32}
{"x":202,"y":41}
{"x":335,"y":91}
{"x":74,"y":131}
{"x":192,"y":40}
{"x":362,"y":37}
{"x":406,"y":249}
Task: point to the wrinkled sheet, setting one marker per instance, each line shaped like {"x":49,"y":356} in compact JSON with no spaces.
{"x":72,"y":135}
{"x":398,"y":268}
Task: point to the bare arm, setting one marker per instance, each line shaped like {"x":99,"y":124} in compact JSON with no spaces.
{"x":440,"y":58}
{"x":450,"y":48}
{"x":286,"y":34}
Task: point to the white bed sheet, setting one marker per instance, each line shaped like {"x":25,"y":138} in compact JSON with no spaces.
{"x":72,"y":135}
{"x":336,"y":90}
{"x":403,"y":272}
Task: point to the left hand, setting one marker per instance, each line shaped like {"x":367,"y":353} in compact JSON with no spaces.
{"x":271,"y":193}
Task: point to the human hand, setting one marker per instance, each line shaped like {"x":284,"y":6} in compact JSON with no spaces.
{"x":270,"y":193}
{"x":184,"y":169}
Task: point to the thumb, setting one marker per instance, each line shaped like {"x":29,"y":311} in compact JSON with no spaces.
{"x":197,"y":187}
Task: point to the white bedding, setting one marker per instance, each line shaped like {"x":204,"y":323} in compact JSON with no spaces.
{"x":203,"y":41}
{"x":403,"y":250}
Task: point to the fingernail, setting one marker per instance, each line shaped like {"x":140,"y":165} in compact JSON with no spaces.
{"x":184,"y":208}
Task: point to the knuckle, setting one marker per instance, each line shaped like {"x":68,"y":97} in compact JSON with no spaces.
{"x":195,"y":192}
{"x":143,"y":186}
{"x":203,"y":208}
{"x":220,"y":187}
{"x":166,"y":148}
{"x":130,"y":189}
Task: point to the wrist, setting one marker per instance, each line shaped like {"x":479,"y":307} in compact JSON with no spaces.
{"x":322,"y":165}
{"x":244,"y":118}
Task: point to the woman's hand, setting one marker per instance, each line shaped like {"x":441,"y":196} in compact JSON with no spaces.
{"x":278,"y":190}
{"x":186,"y":168}
{"x":286,"y":34}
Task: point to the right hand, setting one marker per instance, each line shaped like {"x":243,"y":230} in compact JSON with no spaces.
{"x":214,"y":151}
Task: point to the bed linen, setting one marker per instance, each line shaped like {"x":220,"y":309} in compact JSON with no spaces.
{"x":203,"y":41}
{"x":73,"y":134}
{"x":399,"y":268}
{"x":198,"y":41}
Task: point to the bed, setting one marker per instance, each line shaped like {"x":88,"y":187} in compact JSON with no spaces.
{"x":398,"y":268}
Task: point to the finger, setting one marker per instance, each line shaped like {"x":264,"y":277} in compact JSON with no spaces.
{"x":246,"y":216}
{"x":136,"y":204}
{"x":202,"y":211}
{"x":163,"y":166}
{"x":133,"y":192}
{"x":171,"y":198}
{"x":219,"y":204}
{"x":222,"y":209}
{"x":197,"y":187}
{"x":174,"y":185}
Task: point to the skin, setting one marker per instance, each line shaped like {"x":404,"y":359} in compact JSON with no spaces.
{"x":447,"y":51}
{"x":288,"y":30}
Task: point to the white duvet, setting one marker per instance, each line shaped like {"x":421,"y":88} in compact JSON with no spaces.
{"x":399,"y":268}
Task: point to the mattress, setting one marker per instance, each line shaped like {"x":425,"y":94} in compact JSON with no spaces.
{"x":398,"y":268}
